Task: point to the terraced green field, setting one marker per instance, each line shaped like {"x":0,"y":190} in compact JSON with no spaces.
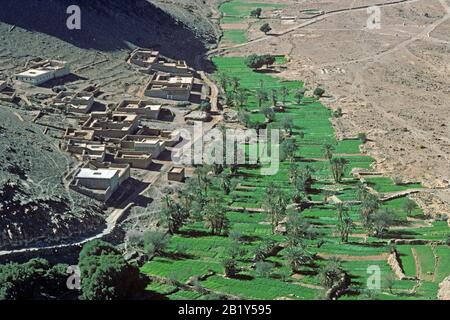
{"x":238,"y":12}
{"x":203,"y":252}
{"x":235,"y":36}
{"x":242,"y":9}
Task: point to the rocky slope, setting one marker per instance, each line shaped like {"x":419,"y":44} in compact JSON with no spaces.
{"x":35,"y":205}
{"x":114,"y":25}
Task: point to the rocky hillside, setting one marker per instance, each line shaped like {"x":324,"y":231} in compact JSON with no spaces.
{"x":200,"y":16}
{"x":113,"y":25}
{"x":35,"y":205}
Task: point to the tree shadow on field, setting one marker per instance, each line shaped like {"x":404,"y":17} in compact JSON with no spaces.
{"x":244,"y":277}
{"x":195,"y":233}
{"x":107,"y":25}
{"x":178,"y":256}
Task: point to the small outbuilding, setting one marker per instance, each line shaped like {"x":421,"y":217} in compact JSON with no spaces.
{"x":176,"y":174}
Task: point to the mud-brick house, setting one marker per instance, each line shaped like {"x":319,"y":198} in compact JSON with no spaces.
{"x":100,"y":180}
{"x":171,"y":87}
{"x":111,"y":125}
{"x":144,"y":108}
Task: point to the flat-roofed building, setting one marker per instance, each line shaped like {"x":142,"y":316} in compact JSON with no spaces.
{"x":178,"y":67}
{"x":76,"y":102}
{"x":111,"y":125}
{"x":87,"y":150}
{"x":78,"y":135}
{"x":7,"y":93}
{"x":169,"y":137}
{"x":176,"y":174}
{"x":171,"y":87}
{"x":150,"y":144}
{"x":100,"y":180}
{"x":136,"y":159}
{"x":144,"y":57}
{"x":144,"y":108}
{"x":43,"y":71}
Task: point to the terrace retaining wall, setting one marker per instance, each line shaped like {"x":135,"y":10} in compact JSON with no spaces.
{"x":395,"y":263}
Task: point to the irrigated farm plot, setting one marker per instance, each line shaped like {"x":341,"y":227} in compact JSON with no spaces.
{"x":203,"y":252}
{"x":197,"y":255}
{"x":236,"y":19}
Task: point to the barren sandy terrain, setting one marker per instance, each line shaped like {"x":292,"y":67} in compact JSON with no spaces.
{"x":391,"y":83}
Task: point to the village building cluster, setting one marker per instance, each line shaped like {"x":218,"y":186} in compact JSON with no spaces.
{"x":117,"y":141}
{"x":170,"y":79}
{"x":110,"y":143}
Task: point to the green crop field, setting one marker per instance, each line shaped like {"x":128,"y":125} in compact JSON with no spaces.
{"x":382,"y":184}
{"x":234,"y":36}
{"x":243,"y":8}
{"x":203,"y":253}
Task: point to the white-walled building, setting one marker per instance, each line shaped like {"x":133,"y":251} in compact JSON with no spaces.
{"x":41,"y":72}
{"x":100,"y":180}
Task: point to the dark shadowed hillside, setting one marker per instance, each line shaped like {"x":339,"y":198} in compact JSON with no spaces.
{"x":110,"y":25}
{"x":35,"y":205}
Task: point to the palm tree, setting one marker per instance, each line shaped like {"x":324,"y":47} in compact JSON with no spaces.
{"x":288,"y":124}
{"x":224,"y":80}
{"x":284,"y":93}
{"x":297,"y":256}
{"x":226,"y":183}
{"x":174,"y":214}
{"x":304,"y":179}
{"x":289,"y":148}
{"x":294,"y":171}
{"x":244,"y":117}
{"x":268,"y":113}
{"x":361,"y":191}
{"x":261,"y":97}
{"x":214,"y":214}
{"x":409,"y":206}
{"x":338,"y":168}
{"x":370,"y":204}
{"x":274,"y":96}
{"x":298,"y":229}
{"x":235,"y":84}
{"x":328,"y":151}
{"x":202,"y":177}
{"x":240,"y":98}
{"x":275,"y":202}
{"x":299,"y":95}
{"x":331,"y":272}
{"x":345,"y":223}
